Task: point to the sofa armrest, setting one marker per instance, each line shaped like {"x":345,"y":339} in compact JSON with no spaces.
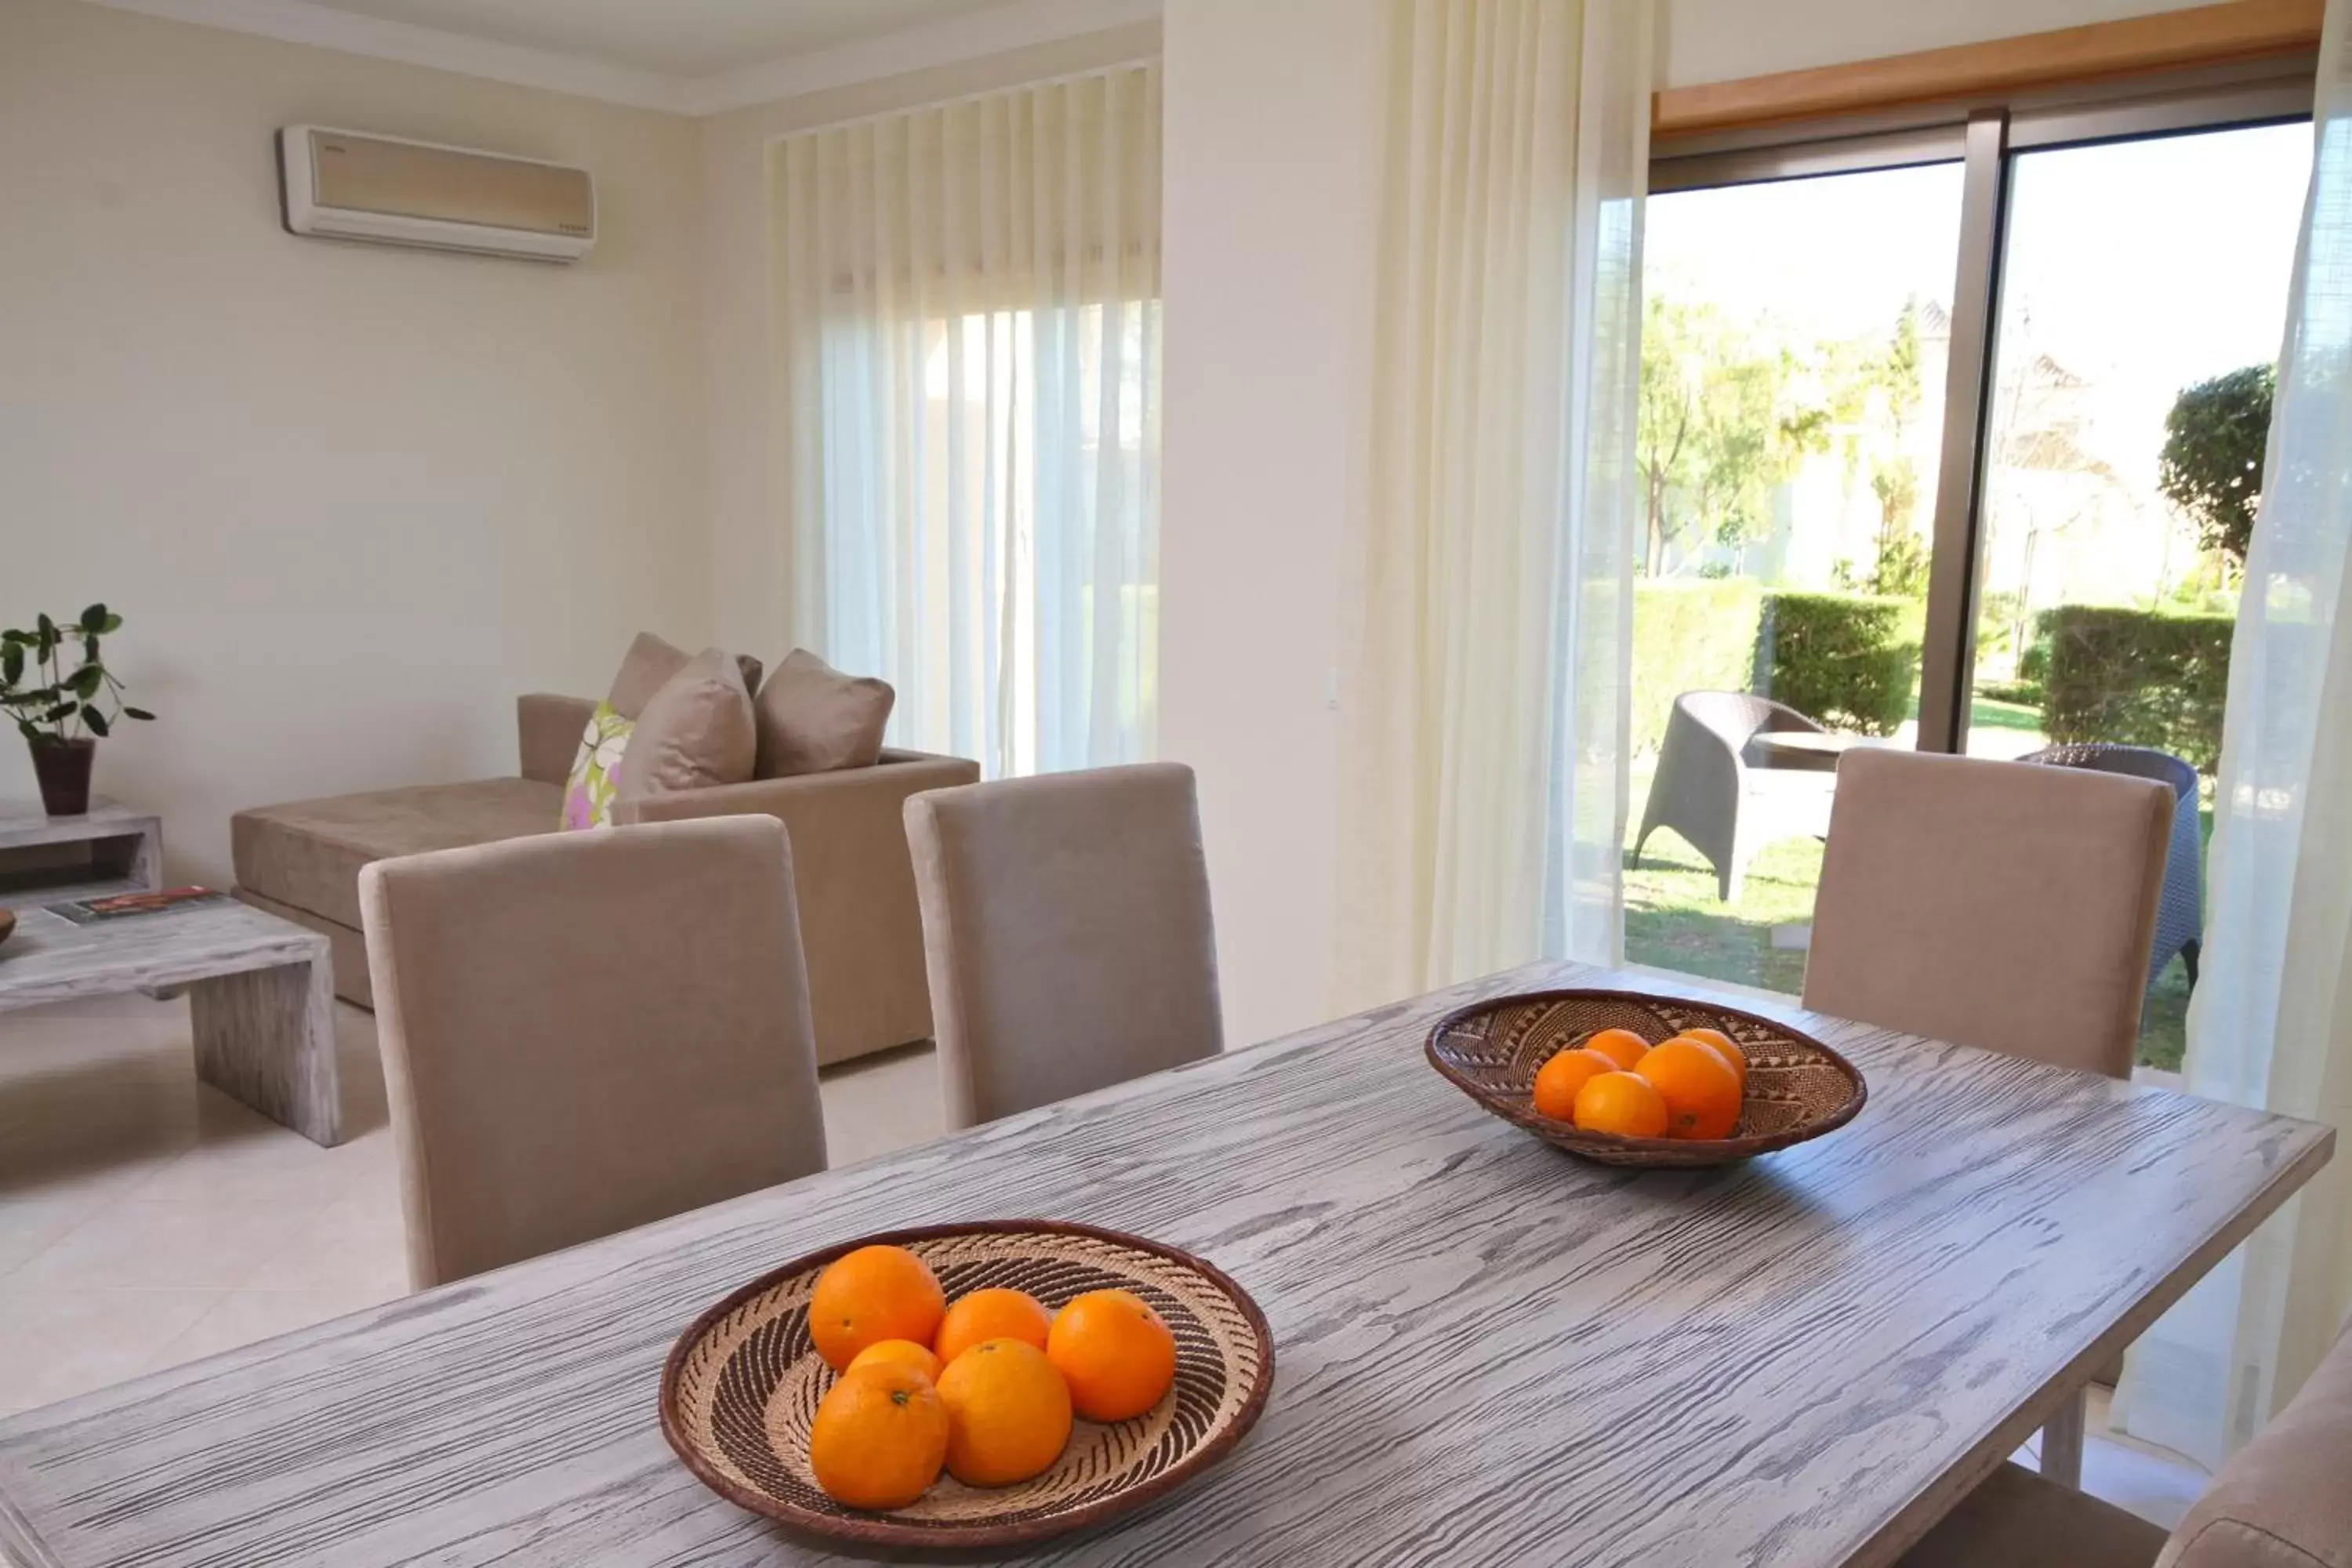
{"x":818,"y":800}
{"x":549,"y":728}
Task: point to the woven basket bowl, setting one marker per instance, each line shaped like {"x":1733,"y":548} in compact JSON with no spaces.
{"x":1797,"y":1087}
{"x":742,"y":1384}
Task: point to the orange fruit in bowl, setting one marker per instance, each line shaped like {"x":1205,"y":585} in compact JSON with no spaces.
{"x":992,"y":1314}
{"x":1701,"y":1091}
{"x":1559,"y":1078}
{"x":898,"y":1353}
{"x":1008,"y":1413}
{"x":1724,"y":1046}
{"x":873,"y":1294}
{"x":878,"y":1437}
{"x":1117,"y":1353}
{"x":1622,"y":1047}
{"x":1621,"y":1102}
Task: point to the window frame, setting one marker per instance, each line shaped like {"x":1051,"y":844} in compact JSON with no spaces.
{"x":1985,"y":136}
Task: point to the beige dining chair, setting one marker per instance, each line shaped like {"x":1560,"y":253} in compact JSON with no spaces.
{"x":2280,"y":1503}
{"x":1066,"y":933}
{"x":583,"y":1032}
{"x":1990,"y":903}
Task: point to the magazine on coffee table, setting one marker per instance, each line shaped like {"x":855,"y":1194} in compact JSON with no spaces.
{"x":135,"y":906}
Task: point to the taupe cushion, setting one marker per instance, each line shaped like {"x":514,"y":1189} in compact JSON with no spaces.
{"x":647,"y":668}
{"x":543,"y":1094}
{"x":695,"y":732}
{"x":2002,"y":905}
{"x":1067,"y":934}
{"x":307,"y":853}
{"x":2016,"y":1519}
{"x":2283,"y":1500}
{"x":813,"y":719}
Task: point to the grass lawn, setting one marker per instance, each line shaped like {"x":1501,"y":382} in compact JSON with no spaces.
{"x":1674,"y":919}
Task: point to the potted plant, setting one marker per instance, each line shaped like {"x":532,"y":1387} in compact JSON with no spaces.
{"x":64,"y":713}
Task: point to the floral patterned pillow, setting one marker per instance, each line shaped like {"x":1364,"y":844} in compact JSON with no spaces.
{"x":596,"y":771}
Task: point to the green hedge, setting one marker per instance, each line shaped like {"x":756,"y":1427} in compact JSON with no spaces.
{"x":2140,"y":678}
{"x":1689,"y":636}
{"x":1850,"y":660}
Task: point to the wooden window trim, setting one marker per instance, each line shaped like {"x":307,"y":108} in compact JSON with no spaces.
{"x":2203,"y":35}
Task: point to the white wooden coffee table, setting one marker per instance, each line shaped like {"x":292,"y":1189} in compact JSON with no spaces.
{"x":260,"y":996}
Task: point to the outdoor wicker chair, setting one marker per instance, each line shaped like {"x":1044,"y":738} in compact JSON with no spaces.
{"x":1723,"y":800}
{"x":2180,"y":913}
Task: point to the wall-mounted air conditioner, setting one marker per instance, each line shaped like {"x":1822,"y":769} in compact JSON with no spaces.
{"x":341,"y":185}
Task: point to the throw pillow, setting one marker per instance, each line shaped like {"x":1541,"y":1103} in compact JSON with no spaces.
{"x":589,"y":793}
{"x":649,"y":664}
{"x":695,"y":732}
{"x":813,"y":719}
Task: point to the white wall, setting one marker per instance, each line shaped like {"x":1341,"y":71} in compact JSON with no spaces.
{"x":348,"y":500}
{"x":1272,"y":204}
{"x":1722,"y":40}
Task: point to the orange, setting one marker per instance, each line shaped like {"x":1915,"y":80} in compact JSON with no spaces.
{"x":1008,"y":1413}
{"x":1724,"y":1046}
{"x":879,"y":1436}
{"x":1701,"y":1091}
{"x":1116,"y":1351}
{"x":873,"y":1294}
{"x":1622,"y":1047}
{"x":899,"y":1352}
{"x":1620,"y":1102}
{"x":1557,"y":1083}
{"x":991,"y":1314}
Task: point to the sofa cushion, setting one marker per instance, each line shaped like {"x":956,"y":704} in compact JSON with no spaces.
{"x":307,"y":854}
{"x":595,"y":782}
{"x":647,"y":667}
{"x":695,"y":732}
{"x":813,"y":719}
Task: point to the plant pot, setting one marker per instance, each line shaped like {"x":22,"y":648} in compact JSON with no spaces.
{"x":63,"y":768}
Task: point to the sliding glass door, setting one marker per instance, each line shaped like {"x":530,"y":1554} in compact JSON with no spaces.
{"x":1952,"y":438}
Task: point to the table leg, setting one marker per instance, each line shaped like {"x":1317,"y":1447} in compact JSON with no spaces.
{"x":267,"y":1038}
{"x":2061,"y":1441}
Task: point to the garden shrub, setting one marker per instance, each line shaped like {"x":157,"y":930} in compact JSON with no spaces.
{"x":1850,"y":660}
{"x":1688,"y":637}
{"x":2138,"y":678}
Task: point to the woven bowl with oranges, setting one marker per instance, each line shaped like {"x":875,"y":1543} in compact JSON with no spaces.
{"x":1626,"y":1079}
{"x":962,"y":1387}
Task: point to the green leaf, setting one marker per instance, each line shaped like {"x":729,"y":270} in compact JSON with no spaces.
{"x":95,"y":719}
{"x":89,"y":650}
{"x":24,"y":728}
{"x":84,"y":682}
{"x":93,"y":618}
{"x":14,"y":638}
{"x":12,"y":665}
{"x":60,"y":714}
{"x":131,"y":712}
{"x":113,"y":624}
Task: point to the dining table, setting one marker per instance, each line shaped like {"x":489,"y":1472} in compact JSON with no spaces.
{"x":1487,"y":1351}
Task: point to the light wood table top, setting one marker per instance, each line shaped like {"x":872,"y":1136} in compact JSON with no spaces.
{"x":1488,"y":1352}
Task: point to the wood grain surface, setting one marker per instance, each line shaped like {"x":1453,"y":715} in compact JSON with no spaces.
{"x":1490,"y":1352}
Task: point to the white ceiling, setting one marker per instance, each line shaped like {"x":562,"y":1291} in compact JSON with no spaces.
{"x":689,"y":57}
{"x":676,"y":37}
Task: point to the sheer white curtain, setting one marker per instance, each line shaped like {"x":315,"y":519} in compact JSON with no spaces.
{"x":968,"y":342}
{"x":2271,"y":1022}
{"x":1484,"y":698}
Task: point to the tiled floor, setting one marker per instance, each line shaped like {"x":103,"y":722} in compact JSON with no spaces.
{"x":146,"y":1220}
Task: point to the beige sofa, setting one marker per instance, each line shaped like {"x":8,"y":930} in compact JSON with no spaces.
{"x":850,"y":863}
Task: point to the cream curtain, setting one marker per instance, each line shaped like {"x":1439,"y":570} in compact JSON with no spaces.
{"x":968,"y":363}
{"x":1483,"y":696}
{"x":2271,"y":1022}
